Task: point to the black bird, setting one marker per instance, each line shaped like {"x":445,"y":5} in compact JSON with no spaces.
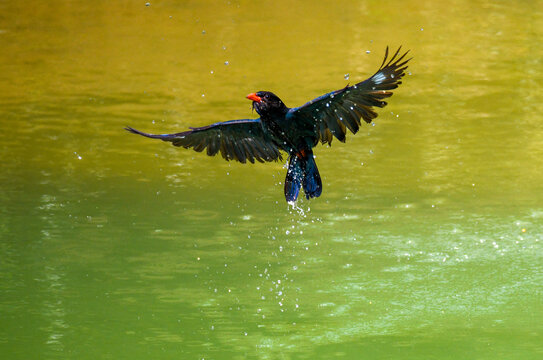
{"x":295,"y":130}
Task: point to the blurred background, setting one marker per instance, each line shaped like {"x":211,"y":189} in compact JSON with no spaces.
{"x":426,"y":241}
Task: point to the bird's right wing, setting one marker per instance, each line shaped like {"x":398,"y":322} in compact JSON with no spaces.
{"x":239,"y":140}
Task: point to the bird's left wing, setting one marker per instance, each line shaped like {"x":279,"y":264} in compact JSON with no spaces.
{"x":332,"y":113}
{"x":239,"y":140}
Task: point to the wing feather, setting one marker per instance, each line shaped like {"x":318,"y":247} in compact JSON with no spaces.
{"x":331,"y":113}
{"x":239,"y":140}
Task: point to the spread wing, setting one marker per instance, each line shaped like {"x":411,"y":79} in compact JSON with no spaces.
{"x":240,"y":140}
{"x":332,"y":113}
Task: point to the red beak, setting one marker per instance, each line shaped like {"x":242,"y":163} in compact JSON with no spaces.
{"x":254,"y":97}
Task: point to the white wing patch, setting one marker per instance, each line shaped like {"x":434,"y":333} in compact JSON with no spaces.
{"x":379,"y":78}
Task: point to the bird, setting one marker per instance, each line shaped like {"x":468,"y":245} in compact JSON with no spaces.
{"x":295,"y":131}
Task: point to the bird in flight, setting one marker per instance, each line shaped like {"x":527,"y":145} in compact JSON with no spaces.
{"x":295,"y":130}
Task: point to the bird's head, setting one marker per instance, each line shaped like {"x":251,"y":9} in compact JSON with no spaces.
{"x":267,"y":103}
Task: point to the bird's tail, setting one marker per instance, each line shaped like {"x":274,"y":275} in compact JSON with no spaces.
{"x":312,"y":180}
{"x":302,"y":172}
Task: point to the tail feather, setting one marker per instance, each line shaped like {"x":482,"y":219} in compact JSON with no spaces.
{"x":312,"y":180}
{"x":302,"y":173}
{"x":293,"y":181}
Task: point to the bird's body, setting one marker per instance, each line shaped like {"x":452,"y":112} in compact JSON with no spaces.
{"x":295,"y":130}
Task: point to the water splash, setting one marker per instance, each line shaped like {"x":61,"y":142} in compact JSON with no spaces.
{"x":295,"y":207}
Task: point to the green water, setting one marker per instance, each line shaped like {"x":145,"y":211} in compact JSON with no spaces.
{"x":426,"y":242}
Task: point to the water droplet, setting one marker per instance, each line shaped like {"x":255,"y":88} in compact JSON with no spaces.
{"x":147,"y":4}
{"x":346,"y":76}
{"x":203,"y":32}
{"x":367,"y":51}
{"x":226,"y":62}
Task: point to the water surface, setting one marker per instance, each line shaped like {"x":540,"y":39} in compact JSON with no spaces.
{"x":426,"y":242}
